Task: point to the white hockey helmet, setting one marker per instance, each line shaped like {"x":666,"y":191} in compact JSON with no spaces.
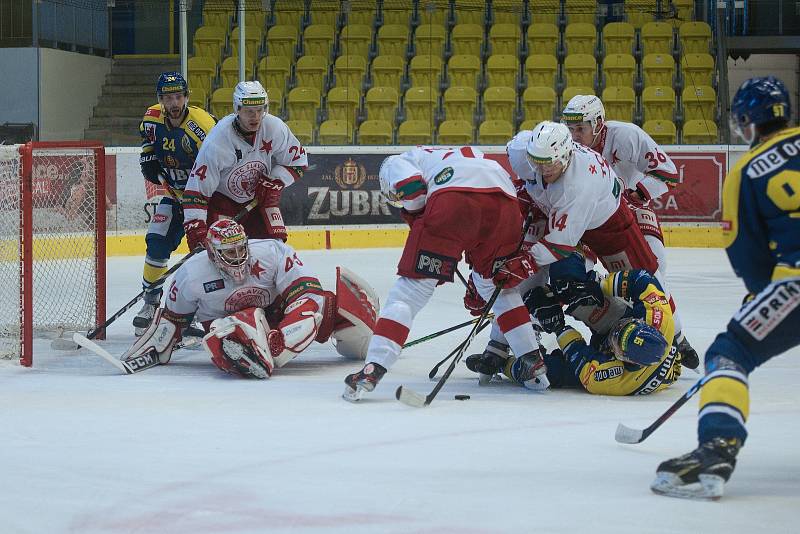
{"x":384,"y":174}
{"x":550,"y":143}
{"x":226,"y":244}
{"x":584,"y":108}
{"x":250,"y":93}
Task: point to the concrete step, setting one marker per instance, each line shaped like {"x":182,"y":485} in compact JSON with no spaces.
{"x":113,"y":89}
{"x":137,"y":80}
{"x":128,"y":101}
{"x":102,"y":110}
{"x":146,"y":72}
{"x":111,"y":137}
{"x":145,"y":61}
{"x":126,"y":124}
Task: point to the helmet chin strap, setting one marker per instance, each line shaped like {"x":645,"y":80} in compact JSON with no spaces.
{"x":596,"y":135}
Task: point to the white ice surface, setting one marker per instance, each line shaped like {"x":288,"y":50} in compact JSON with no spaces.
{"x":184,"y":448}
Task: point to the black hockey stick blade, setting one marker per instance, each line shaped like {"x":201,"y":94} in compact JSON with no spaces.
{"x":411,"y":397}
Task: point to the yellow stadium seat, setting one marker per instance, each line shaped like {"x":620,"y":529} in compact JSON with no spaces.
{"x":507,"y":11}
{"x":455,"y":132}
{"x":658,"y":102}
{"x":282,"y":41}
{"x":543,"y":39}
{"x":387,"y":71}
{"x":375,"y":132}
{"x":420,"y":103}
{"x":303,"y":103}
{"x":335,"y":132}
{"x":699,"y":102}
{"x":504,"y":39}
{"x":529,"y":124}
{"x":582,"y":11}
{"x":393,"y":40}
{"x":658,"y":69}
{"x":198,"y":97}
{"x":363,"y":12}
{"x":434,"y":12}
{"x":580,"y":38}
{"x":619,"y":70}
{"x":317,"y":40}
{"x":695,"y":37}
{"x":467,"y":39}
{"x":209,"y":41}
{"x":638,"y":12}
{"x":397,"y":12}
{"x":252,"y":42}
{"x":430,"y":39}
{"x":539,"y":103}
{"x":255,"y":17}
{"x":349,"y":71}
{"x":541,"y":70}
{"x":685,"y":10}
{"x":460,"y":103}
{"x":289,"y":13}
{"x":500,"y":102}
{"x":324,"y":12}
{"x":618,"y":38}
{"x":502,"y":69}
{"x":619,"y":103}
{"x":222,"y":102}
{"x":495,"y":132}
{"x":575,"y":90}
{"x":381,"y":103}
{"x":343,"y":103}
{"x":425,"y":70}
{"x":202,"y":71}
{"x":544,"y":11}
{"x":697,"y":132}
{"x":275,"y":96}
{"x":663,"y":132}
{"x":657,"y":38}
{"x":229,"y":73}
{"x":273,"y":71}
{"x":303,"y":130}
{"x":354,"y":40}
{"x":698,"y":69}
{"x":414,"y":132}
{"x":580,"y":69}
{"x":473,"y":12}
{"x":464,"y":70}
{"x":310,"y":71}
{"x":217,"y":15}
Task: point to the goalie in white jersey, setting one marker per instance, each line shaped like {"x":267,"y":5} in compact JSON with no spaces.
{"x":645,"y":169}
{"x":261,"y":305}
{"x":248,"y":154}
{"x":456,"y":202}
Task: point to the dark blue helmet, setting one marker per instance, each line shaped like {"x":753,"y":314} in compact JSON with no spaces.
{"x":760,"y":100}
{"x":635,"y":341}
{"x":171,"y":82}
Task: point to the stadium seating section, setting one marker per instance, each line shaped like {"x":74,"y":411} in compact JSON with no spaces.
{"x":460,"y":71}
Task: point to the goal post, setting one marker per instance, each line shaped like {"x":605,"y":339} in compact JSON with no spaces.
{"x":52,"y":242}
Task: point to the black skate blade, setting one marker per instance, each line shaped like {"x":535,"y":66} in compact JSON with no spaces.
{"x":410,"y":397}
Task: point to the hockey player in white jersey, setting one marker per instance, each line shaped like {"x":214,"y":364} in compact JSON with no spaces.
{"x":456,"y":202}
{"x":248,"y":154}
{"x":261,"y":304}
{"x":645,"y":169}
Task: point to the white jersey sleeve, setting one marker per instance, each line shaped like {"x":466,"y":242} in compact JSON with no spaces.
{"x":292,"y":276}
{"x":288,"y":154}
{"x":182,"y":297}
{"x":638,"y":160}
{"x":517,"y":152}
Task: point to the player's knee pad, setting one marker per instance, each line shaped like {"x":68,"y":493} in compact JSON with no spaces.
{"x":159,"y":247}
{"x":239,"y":344}
{"x":157,"y":341}
{"x":728,"y":352}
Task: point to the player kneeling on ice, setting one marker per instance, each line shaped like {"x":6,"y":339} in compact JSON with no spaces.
{"x":260,"y":304}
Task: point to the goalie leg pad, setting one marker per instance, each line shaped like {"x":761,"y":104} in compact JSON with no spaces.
{"x":240,"y":344}
{"x":357,"y":311}
{"x":157,"y":341}
{"x":296,"y":331}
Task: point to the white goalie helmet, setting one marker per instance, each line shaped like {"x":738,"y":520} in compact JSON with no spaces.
{"x":585,"y":108}
{"x":550,"y":143}
{"x":226,"y":244}
{"x":250,"y":93}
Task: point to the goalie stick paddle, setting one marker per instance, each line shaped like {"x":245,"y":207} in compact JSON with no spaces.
{"x":626,"y":434}
{"x":62,"y":343}
{"x":128,"y":367}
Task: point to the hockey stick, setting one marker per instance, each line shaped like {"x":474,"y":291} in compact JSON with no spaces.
{"x":626,"y":434}
{"x":411,"y":397}
{"x":62,"y":343}
{"x":432,"y":373}
{"x":134,"y":365}
{"x":442,"y":332}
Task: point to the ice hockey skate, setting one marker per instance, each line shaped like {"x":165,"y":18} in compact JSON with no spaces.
{"x":144,"y":317}
{"x":700,"y":474}
{"x":491,"y":362}
{"x":363,"y":381}
{"x":689,"y":356}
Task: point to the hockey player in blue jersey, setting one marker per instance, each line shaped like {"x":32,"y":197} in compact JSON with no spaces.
{"x":761,"y":214}
{"x":172,"y":132}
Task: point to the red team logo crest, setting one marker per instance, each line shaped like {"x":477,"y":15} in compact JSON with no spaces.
{"x":242,"y":181}
{"x":247,"y":297}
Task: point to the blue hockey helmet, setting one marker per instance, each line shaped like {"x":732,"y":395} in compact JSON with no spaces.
{"x":756,"y":102}
{"x":634,"y":341}
{"x":171,"y":82}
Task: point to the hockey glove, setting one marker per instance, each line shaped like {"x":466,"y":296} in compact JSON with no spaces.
{"x":268,"y":192}
{"x":151,"y":168}
{"x":473,"y":300}
{"x":545,"y":307}
{"x":409,"y":217}
{"x":196,"y":231}
{"x":574,"y":294}
{"x":515,"y":269}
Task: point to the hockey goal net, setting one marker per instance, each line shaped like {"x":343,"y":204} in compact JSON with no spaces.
{"x":52,"y":242}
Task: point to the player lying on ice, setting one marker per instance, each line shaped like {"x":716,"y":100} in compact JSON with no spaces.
{"x":261,"y":304}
